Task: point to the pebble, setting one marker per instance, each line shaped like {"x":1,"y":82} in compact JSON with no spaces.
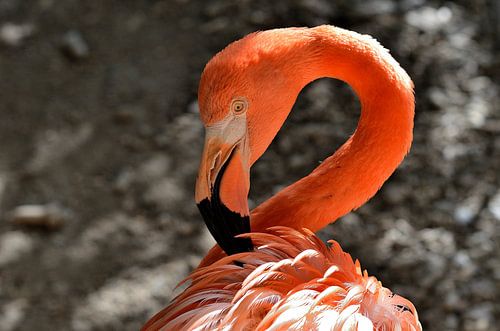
{"x":479,"y":318}
{"x":438,"y":97}
{"x":428,"y":18}
{"x":74,"y":45}
{"x":123,"y":181}
{"x":12,"y":314}
{"x":453,"y":301}
{"x":54,"y":145}
{"x":480,"y":244}
{"x":13,"y":35}
{"x":483,"y":289}
{"x":468,"y":210}
{"x":50,"y":216}
{"x":494,"y":206}
{"x":13,"y":245}
{"x":466,"y":267}
{"x":154,"y":168}
{"x":439,"y":241}
{"x":395,"y":193}
{"x":165,"y":194}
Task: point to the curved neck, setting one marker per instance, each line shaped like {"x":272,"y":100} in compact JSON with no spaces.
{"x":355,"y":172}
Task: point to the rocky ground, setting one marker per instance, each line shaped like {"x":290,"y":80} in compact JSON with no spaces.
{"x":100,"y":141}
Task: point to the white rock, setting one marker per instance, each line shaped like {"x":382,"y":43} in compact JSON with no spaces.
{"x":154,"y":168}
{"x":50,"y":216}
{"x":53,"y":146}
{"x":467,"y":210}
{"x":165,"y":193}
{"x":74,"y":45}
{"x":13,"y":245}
{"x":428,"y":18}
{"x":439,"y":241}
{"x":13,"y":34}
{"x":12,"y":314}
{"x":466,"y":266}
{"x":494,"y":206}
{"x":479,"y":318}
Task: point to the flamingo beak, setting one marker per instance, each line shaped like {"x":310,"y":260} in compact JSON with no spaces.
{"x":223,"y":183}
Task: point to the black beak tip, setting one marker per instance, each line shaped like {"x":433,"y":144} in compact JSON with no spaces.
{"x":224,"y":225}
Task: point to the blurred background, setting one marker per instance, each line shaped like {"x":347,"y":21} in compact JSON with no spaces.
{"x":100,"y":142}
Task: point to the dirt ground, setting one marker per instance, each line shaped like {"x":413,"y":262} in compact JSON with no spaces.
{"x":100,"y":142}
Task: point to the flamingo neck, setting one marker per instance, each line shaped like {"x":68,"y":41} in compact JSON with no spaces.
{"x":356,"y":171}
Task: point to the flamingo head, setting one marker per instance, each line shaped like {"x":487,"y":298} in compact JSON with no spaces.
{"x":245,"y":93}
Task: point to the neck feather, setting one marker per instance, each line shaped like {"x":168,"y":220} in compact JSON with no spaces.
{"x":355,"y":172}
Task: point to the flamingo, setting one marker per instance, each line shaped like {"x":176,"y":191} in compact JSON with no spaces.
{"x":269,"y":271}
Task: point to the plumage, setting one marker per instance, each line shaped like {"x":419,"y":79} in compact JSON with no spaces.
{"x":291,"y":281}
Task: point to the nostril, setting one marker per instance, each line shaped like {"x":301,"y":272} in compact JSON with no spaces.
{"x":404,"y":308}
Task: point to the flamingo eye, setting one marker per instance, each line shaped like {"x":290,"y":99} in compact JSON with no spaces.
{"x":239,"y":106}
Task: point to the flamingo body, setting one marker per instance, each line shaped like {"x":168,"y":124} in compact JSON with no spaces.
{"x":279,"y":276}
